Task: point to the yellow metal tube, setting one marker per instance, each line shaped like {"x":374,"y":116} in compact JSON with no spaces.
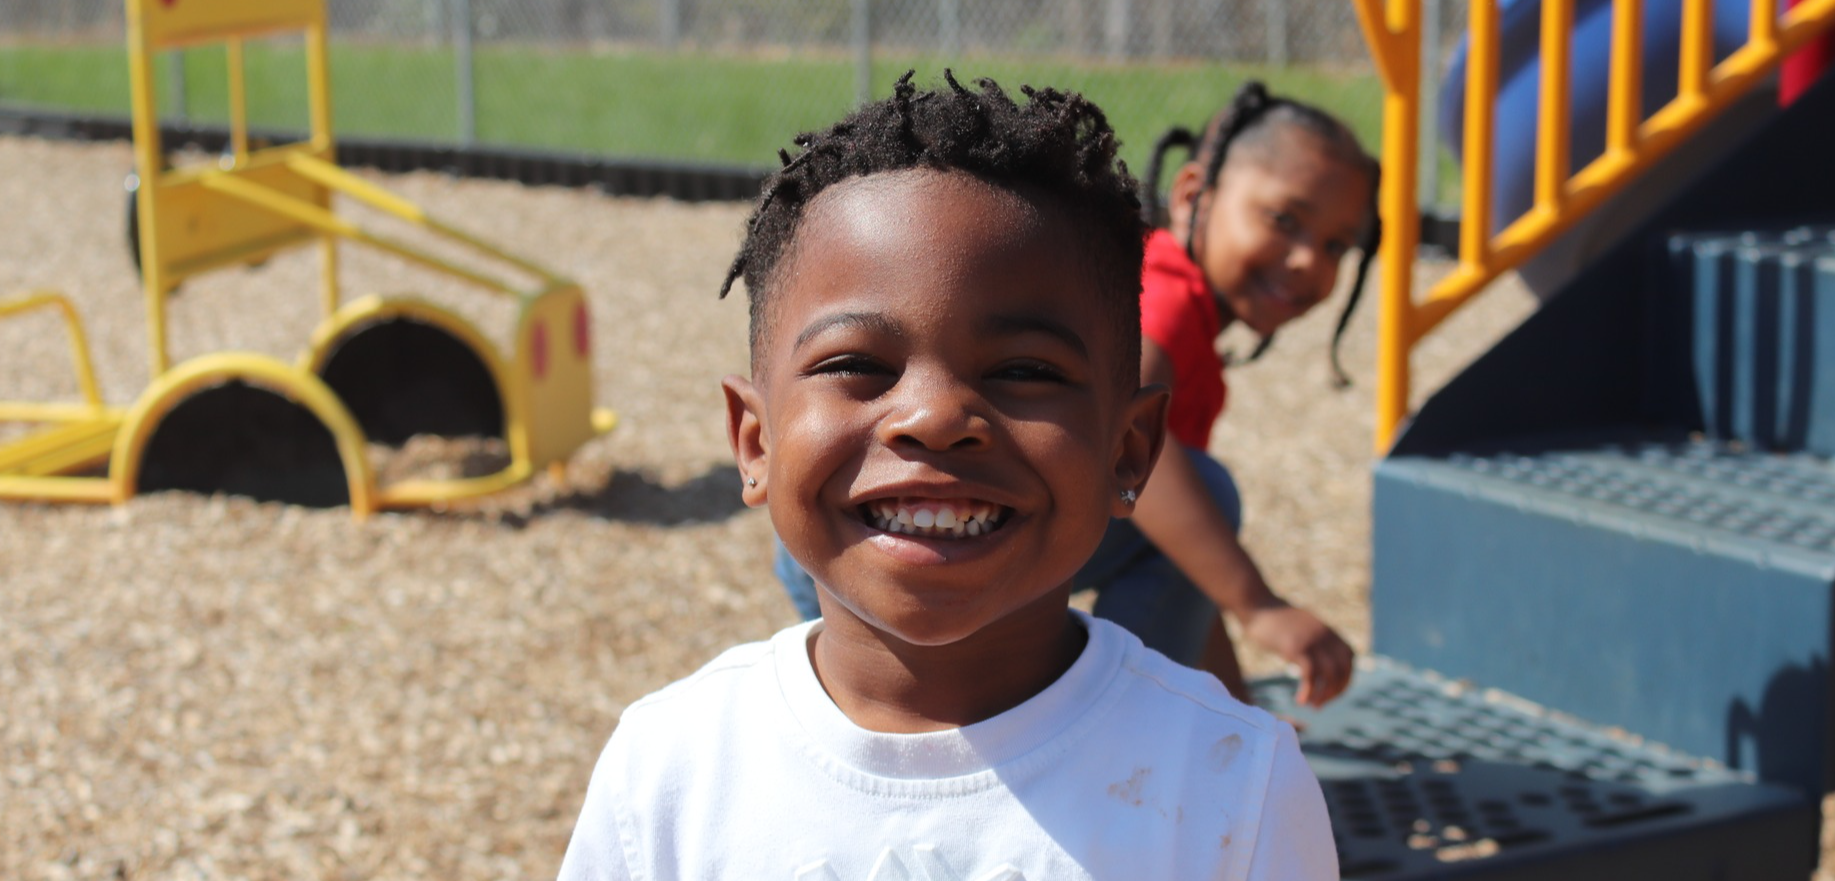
{"x":1805,"y":21}
{"x":27,"y":455}
{"x":1384,"y":46}
{"x":1552,"y":119}
{"x":149,"y":164}
{"x":54,"y":411}
{"x":1697,"y":50}
{"x":1401,"y":214}
{"x":238,"y":102}
{"x":318,"y":84}
{"x":424,"y":493}
{"x":1625,"y":96}
{"x":326,"y":221}
{"x":1480,"y":114}
{"x":1395,"y":332}
{"x":330,"y":175}
{"x":1762,"y":30}
{"x":79,"y":342}
{"x":93,"y":490}
{"x":328,"y":281}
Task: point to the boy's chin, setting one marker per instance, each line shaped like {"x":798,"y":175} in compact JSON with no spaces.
{"x":920,"y":625}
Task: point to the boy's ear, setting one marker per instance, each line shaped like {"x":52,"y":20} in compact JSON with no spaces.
{"x":745,"y":432}
{"x":1142,"y":439}
{"x":1187,"y":183}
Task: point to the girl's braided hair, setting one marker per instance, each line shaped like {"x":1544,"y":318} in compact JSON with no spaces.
{"x":1253,"y":115}
{"x":1057,"y":144}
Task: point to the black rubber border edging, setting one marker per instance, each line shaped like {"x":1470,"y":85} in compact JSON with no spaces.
{"x":687,"y":181}
{"x":691,"y":182}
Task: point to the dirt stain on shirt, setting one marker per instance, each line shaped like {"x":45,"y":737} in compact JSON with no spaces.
{"x":1129,"y":790}
{"x":1225,"y":751}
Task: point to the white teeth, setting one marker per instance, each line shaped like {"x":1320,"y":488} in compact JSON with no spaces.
{"x":940,"y":522}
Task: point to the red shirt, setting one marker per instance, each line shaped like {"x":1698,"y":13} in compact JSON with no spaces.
{"x":1179,"y":314}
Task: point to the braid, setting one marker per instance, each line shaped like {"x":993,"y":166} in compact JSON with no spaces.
{"x":1372,"y":241}
{"x":1056,"y":142}
{"x":1246,"y":109}
{"x":1261,"y":348}
{"x":1177,"y":136}
{"x":1249,"y":107}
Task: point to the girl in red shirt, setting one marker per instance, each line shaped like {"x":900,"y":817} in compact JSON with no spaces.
{"x":1275,"y":195}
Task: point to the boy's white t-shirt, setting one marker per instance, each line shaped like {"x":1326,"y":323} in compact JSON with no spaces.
{"x":1129,"y":766}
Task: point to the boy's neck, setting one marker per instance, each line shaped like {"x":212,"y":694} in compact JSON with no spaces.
{"x":885,"y":685}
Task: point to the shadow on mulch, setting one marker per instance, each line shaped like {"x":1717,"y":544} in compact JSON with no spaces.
{"x":636,"y":497}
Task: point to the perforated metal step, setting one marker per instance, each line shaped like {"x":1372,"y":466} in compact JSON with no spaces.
{"x":1427,"y":778}
{"x":1715,"y":495}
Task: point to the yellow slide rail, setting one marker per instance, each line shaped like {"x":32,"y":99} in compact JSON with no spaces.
{"x":79,"y":434}
{"x":1392,"y":28}
{"x":31,"y":411}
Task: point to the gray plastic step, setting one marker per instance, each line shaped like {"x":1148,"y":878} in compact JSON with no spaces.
{"x":1679,"y":587}
{"x":1429,"y":778}
{"x":1778,"y":508}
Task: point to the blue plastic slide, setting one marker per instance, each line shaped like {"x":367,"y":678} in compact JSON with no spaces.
{"x":1519,"y":85}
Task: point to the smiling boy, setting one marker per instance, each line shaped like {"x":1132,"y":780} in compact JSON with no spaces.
{"x":943,"y":415}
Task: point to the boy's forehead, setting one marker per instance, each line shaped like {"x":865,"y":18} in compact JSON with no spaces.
{"x":914,"y":223}
{"x":898,"y":226}
{"x":881,"y":208}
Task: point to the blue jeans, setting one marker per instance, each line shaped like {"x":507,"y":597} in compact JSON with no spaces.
{"x":1136,"y":585}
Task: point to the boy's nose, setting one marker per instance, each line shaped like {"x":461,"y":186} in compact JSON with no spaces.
{"x":936,"y":413}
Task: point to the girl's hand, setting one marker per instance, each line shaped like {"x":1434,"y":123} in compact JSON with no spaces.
{"x":1301,"y":639}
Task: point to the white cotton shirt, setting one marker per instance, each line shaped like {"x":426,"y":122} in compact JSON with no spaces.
{"x":1128,"y":767}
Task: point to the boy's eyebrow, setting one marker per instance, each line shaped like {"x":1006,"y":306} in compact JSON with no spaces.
{"x":869,"y":321}
{"x":1015,"y":325}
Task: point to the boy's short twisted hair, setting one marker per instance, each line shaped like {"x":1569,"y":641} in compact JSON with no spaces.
{"x":1056,"y":144}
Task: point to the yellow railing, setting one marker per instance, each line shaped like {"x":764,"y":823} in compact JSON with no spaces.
{"x":92,"y":406}
{"x":1562,"y":196}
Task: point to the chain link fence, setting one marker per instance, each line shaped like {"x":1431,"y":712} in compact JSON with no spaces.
{"x":708,"y":81}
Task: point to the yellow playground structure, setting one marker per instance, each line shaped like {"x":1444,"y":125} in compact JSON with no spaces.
{"x":376,"y":371}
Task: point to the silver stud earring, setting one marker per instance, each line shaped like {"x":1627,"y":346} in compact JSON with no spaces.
{"x":1128,"y":496}
{"x":751,"y":481}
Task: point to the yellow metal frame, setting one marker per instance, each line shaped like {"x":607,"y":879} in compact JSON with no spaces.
{"x":80,"y":435}
{"x":1562,"y":196}
{"x":30,"y":411}
{"x":254,"y":203}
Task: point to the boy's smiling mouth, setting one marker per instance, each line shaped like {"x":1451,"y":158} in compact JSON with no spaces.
{"x":933,"y":518}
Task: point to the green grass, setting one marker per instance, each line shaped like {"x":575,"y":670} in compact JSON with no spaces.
{"x":698,"y":107}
